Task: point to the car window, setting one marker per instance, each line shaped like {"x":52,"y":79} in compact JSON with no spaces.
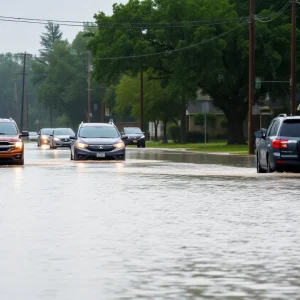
{"x":132,"y":130}
{"x":274,"y":128}
{"x":47,"y":131}
{"x":98,"y":132}
{"x":8,"y":129}
{"x":270,"y":128}
{"x":63,"y":131}
{"x":290,"y":128}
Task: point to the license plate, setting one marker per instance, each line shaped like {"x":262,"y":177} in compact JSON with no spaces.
{"x":135,"y":141}
{"x":100,"y":155}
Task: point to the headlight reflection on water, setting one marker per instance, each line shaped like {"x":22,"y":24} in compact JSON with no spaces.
{"x":18,"y":177}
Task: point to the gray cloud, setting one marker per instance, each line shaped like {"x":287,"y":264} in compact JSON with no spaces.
{"x":20,"y":37}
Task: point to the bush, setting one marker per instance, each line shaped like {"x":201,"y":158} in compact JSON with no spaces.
{"x":174,"y":133}
{"x":196,"y":137}
{"x":211,"y":119}
{"x":224,"y":123}
{"x":221,"y":137}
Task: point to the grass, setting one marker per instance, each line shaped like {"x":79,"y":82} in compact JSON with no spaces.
{"x":200,"y":147}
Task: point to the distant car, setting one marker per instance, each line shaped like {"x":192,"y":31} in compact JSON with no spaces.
{"x":278,"y":148}
{"x":33,"y":136}
{"x":97,"y":141}
{"x":44,"y":136}
{"x":11,"y":144}
{"x":135,"y":137}
{"x":60,"y":137}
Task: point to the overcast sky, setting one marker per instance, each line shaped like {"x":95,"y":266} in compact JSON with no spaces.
{"x":21,"y":37}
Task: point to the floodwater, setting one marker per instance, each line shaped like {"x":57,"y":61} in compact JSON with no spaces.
{"x":161,"y":225}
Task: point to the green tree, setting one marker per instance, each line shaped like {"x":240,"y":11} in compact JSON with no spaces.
{"x":48,"y":38}
{"x":62,"y":83}
{"x":158,"y":101}
{"x":211,"y":55}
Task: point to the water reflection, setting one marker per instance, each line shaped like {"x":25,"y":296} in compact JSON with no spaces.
{"x":158,"y":226}
{"x":197,"y":158}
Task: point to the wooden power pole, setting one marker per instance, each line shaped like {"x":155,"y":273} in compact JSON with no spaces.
{"x":89,"y":87}
{"x":142,"y":101}
{"x":23,"y":92}
{"x":293,"y":60}
{"x":251,"y":76}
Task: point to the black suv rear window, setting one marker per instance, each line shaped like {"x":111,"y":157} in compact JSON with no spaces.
{"x":290,"y":128}
{"x":7,"y":128}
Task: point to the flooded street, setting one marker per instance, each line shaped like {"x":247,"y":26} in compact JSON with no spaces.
{"x":161,"y":225}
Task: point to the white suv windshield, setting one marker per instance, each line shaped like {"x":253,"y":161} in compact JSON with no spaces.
{"x":8,"y":129}
{"x":98,"y":132}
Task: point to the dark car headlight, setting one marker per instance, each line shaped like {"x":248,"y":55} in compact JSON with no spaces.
{"x":119,"y":145}
{"x":81,"y":145}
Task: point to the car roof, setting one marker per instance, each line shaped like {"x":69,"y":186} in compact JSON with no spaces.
{"x":61,"y":128}
{"x":96,"y":125}
{"x":285,"y":116}
{"x":7,"y":120}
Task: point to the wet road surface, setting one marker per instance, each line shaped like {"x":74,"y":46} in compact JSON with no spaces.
{"x":162,"y":225}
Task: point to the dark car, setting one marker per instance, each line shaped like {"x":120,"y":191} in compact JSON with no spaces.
{"x":60,"y":137}
{"x":278,"y":148}
{"x":11,"y":144}
{"x":44,"y":136}
{"x":97,"y":141}
{"x":135,"y":136}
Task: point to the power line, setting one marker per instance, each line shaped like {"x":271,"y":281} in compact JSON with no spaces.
{"x":140,"y":24}
{"x":127,"y":25}
{"x":267,"y":19}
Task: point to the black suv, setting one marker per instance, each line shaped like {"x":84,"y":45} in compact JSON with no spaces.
{"x":278,"y":147}
{"x":97,"y":141}
{"x":135,"y":137}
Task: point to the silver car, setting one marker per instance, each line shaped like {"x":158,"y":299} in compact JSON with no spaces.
{"x":33,"y":136}
{"x":60,"y":137}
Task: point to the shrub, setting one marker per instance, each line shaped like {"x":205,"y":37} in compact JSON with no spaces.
{"x":174,"y":132}
{"x":221,"y":137}
{"x":196,"y":137}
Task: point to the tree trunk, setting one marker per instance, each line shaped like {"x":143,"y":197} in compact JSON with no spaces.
{"x":235,"y":128}
{"x":156,"y":131}
{"x":165,"y":137}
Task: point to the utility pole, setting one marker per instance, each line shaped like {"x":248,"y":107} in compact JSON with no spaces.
{"x":102,"y":104}
{"x":23,"y":92}
{"x":27,"y":115}
{"x":142,"y":101}
{"x":293,"y":60}
{"x":89,"y":87}
{"x":251,"y":76}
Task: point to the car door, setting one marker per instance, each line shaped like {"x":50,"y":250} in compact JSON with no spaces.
{"x":270,"y":149}
{"x":263,"y":146}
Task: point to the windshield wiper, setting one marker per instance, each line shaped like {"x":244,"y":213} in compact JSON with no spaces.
{"x":3,"y":133}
